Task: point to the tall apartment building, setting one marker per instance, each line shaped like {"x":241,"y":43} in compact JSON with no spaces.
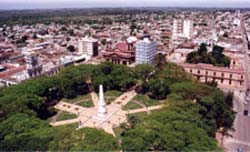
{"x":88,"y":46}
{"x":182,"y":28}
{"x":237,"y":20}
{"x":145,"y":51}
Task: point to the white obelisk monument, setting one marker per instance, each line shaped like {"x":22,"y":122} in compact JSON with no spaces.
{"x":102,"y":105}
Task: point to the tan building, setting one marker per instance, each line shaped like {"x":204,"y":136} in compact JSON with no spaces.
{"x":226,"y":78}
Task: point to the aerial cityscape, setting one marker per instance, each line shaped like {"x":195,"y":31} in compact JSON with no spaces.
{"x":125,"y":76}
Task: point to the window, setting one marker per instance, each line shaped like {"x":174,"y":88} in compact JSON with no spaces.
{"x":214,"y":73}
{"x":222,"y":74}
{"x":222,"y":81}
{"x":231,"y":75}
{"x":230,"y":82}
{"x":241,"y":76}
{"x":191,"y":71}
{"x":198,"y":71}
{"x":206,"y":73}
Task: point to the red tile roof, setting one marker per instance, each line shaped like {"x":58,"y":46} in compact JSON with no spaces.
{"x":188,"y":45}
{"x":11,"y":71}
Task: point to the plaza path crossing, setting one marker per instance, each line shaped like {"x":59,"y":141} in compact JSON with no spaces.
{"x":146,"y":109}
{"x":88,"y":117}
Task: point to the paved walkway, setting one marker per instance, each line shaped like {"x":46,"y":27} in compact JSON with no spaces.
{"x":88,"y":117}
{"x":64,"y":122}
{"x":125,"y":98}
{"x":54,"y":118}
{"x":147,"y":109}
{"x":69,"y":107}
{"x":94,"y":98}
{"x":139,"y":103}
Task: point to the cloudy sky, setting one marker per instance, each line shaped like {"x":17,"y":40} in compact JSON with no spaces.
{"x":28,"y":4}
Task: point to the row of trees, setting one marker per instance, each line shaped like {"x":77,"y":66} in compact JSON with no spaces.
{"x":216,"y":57}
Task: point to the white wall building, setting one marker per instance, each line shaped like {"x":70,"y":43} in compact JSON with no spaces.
{"x":182,"y":28}
{"x":145,"y":51}
{"x":88,"y":46}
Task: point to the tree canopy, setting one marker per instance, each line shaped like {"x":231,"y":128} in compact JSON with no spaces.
{"x":195,"y":112}
{"x":216,"y":57}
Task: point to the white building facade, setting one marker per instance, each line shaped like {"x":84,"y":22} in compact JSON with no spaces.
{"x":145,"y":51}
{"x":182,"y":28}
{"x":88,"y":46}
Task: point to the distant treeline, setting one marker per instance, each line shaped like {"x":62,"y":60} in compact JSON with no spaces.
{"x":11,"y":17}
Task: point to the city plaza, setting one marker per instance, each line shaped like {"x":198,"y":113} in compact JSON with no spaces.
{"x":101,"y":116}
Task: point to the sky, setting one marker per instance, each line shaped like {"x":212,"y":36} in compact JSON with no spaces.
{"x":34,"y":4}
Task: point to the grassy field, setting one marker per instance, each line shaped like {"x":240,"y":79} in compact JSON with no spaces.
{"x":131,"y":105}
{"x":110,"y":96}
{"x":65,"y":116}
{"x":144,"y":99}
{"x":72,"y":126}
{"x":112,"y":93}
{"x":87,"y":104}
{"x":140,"y":116}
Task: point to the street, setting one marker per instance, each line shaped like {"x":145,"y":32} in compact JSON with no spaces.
{"x":240,"y":139}
{"x":241,"y":135}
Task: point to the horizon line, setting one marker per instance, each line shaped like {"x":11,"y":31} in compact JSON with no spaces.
{"x":117,"y":7}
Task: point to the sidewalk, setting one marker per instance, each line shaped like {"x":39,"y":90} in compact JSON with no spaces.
{"x":94,"y":98}
{"x":146,"y":109}
{"x":125,"y":98}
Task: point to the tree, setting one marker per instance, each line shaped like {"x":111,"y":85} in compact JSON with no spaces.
{"x":202,"y":49}
{"x":176,"y":129}
{"x":195,"y":111}
{"x":229,"y":99}
{"x":192,"y":57}
{"x":68,"y":39}
{"x":158,"y":89}
{"x":160,"y":60}
{"x":71,"y":48}
{"x":132,"y":28}
{"x":71,"y":32}
{"x":216,"y":57}
{"x":144,"y":72}
{"x":113,"y":77}
{"x":34,"y":36}
{"x":212,"y":83}
{"x":104,"y":41}
{"x":21,"y":132}
{"x":86,"y":139}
